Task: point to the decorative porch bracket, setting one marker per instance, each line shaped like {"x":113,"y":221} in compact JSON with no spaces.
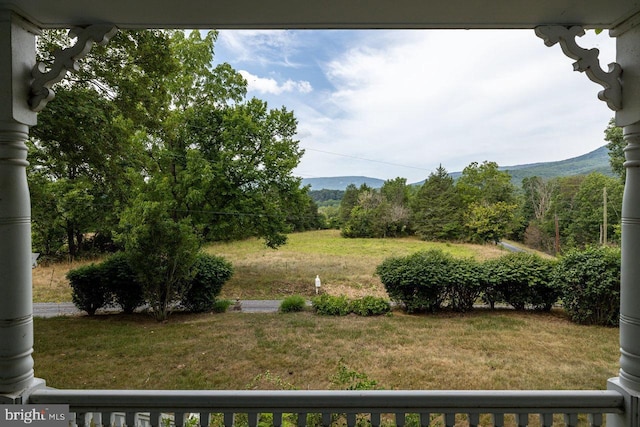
{"x":586,"y":61}
{"x":66,"y":60}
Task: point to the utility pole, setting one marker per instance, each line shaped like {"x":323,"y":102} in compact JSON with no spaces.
{"x":604,"y":216}
{"x":557,"y":235}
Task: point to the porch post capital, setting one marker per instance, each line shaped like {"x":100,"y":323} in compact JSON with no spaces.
{"x":628,"y":56}
{"x":17,"y":59}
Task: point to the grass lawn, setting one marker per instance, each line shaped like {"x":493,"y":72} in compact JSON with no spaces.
{"x":482,"y":350}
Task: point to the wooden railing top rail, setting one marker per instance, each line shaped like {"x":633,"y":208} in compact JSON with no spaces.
{"x":379,"y":401}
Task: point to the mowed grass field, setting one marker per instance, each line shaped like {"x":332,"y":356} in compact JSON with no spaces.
{"x":345,"y":266}
{"x":479,"y":350}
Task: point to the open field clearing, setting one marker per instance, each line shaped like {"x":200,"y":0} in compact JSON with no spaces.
{"x":481,"y":350}
{"x":346,"y":266}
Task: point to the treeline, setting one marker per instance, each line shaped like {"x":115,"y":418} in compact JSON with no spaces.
{"x":484,"y":206}
{"x":324,"y":195}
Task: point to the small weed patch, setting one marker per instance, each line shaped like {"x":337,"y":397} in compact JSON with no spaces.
{"x":292,"y":304}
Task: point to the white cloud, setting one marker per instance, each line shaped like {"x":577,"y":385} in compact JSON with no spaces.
{"x":264,"y":47}
{"x":268,"y":85}
{"x":421,"y":98}
{"x":452,"y":97}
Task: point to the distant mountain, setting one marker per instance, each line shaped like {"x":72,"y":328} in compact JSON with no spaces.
{"x":341,"y":182}
{"x":595,"y":161}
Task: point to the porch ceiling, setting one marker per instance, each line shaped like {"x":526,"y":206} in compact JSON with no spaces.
{"x":325,"y":13}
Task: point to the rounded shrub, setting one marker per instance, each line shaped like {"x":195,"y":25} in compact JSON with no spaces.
{"x":210,"y":274}
{"x":121,"y":282}
{"x":88,"y":292}
{"x":464,"y":283}
{"x":417,"y":281}
{"x":292,"y":304}
{"x":589,"y":281}
{"x":521,"y":279}
{"x":370,"y":306}
{"x":330,"y":305}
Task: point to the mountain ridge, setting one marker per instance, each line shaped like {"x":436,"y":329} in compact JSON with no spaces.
{"x":593,"y":161}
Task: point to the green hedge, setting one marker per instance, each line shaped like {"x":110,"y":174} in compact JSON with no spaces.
{"x":121,"y":283}
{"x":114,"y":283}
{"x":589,"y":281}
{"x":330,"y":305}
{"x":370,"y":306}
{"x":429,"y":281}
{"x":210,"y":274}
{"x":416,"y":281}
{"x":88,"y":292}
{"x":522,"y":280}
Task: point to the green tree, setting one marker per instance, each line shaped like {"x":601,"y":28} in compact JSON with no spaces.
{"x":561,"y":210}
{"x":489,"y":202}
{"x":348,"y":202}
{"x":587,"y":215}
{"x":232,"y":169}
{"x":85,"y":142}
{"x":396,"y":213}
{"x":437,"y":208}
{"x":196,"y":160}
{"x":161,"y":251}
{"x":536,"y":203}
{"x":366,"y":219}
{"x":615,"y":144}
{"x":379,"y":213}
{"x":538,"y":194}
{"x":488,"y":222}
{"x":79,"y":155}
{"x":485,"y":183}
{"x":396,"y":191}
{"x":304,"y":214}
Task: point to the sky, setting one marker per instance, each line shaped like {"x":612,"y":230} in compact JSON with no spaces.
{"x":399,"y":103}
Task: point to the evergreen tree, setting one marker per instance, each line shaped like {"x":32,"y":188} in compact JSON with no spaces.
{"x":437,"y":208}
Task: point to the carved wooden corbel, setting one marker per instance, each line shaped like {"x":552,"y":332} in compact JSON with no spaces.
{"x":65,"y":60}
{"x":586,"y":61}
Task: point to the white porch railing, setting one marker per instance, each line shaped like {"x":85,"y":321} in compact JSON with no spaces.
{"x":417,"y":408}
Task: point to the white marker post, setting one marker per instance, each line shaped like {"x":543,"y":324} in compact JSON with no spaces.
{"x":318,"y":284}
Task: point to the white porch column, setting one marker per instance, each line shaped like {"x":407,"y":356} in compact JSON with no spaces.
{"x":628,"y":56}
{"x":628,"y":382}
{"x":630,"y":273}
{"x":17,"y":58}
